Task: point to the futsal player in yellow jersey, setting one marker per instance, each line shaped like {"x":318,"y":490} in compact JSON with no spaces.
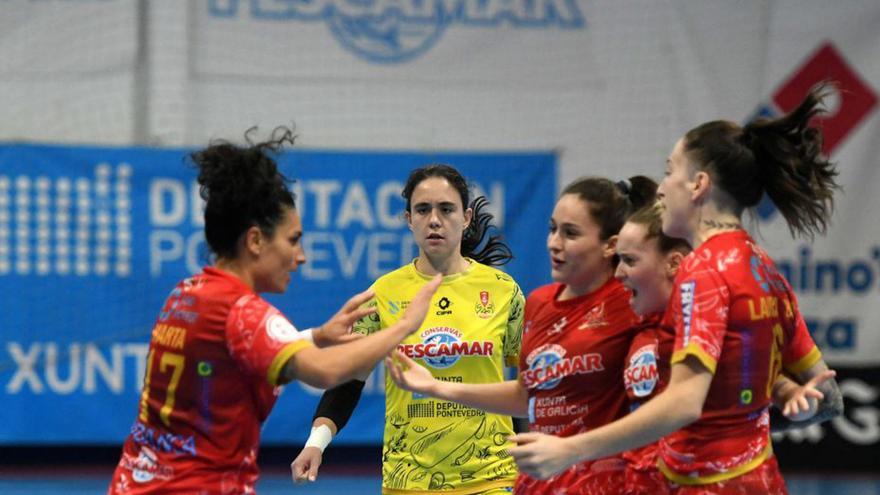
{"x":472,"y":331}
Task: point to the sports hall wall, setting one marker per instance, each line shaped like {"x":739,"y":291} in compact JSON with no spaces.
{"x":102,"y":99}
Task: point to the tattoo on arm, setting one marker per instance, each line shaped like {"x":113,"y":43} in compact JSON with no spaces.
{"x":830,"y":407}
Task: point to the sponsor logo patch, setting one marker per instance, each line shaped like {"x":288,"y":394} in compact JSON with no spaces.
{"x":641,"y":374}
{"x":281,"y":330}
{"x":687,"y":308}
{"x":442,"y":347}
{"x":548,"y":365}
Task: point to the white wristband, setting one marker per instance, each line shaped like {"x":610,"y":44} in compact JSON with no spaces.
{"x":320,"y":437}
{"x":308,"y":334}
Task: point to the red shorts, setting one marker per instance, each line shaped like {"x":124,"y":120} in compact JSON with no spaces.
{"x":764,"y":479}
{"x":602,"y":477}
{"x":144,"y":475}
{"x":641,"y":481}
{"x":642,"y":474}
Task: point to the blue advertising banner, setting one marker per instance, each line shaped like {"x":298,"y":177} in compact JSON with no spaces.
{"x":93,"y":239}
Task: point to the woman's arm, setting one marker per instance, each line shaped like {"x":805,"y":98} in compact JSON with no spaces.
{"x":509,"y":397}
{"x":817,"y":400}
{"x":680,"y":404}
{"x":331,"y":366}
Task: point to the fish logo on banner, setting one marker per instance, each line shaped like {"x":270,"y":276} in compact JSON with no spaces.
{"x":397,"y":31}
{"x":856,"y":100}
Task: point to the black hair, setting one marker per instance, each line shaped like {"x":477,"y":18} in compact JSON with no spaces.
{"x":610,"y":203}
{"x":781,"y":157}
{"x":494,"y":252}
{"x":242,"y":188}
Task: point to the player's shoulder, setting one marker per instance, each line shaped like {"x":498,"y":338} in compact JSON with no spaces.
{"x":211,"y":286}
{"x":392,"y":280}
{"x":491,"y":275}
{"x":543,"y":293}
{"x":615,"y":290}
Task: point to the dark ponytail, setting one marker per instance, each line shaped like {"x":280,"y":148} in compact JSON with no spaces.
{"x":781,"y":157}
{"x":493,"y":252}
{"x":798,"y":179}
{"x":242,"y":187}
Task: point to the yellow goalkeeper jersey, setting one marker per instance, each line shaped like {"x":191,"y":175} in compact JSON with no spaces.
{"x":473,"y":328}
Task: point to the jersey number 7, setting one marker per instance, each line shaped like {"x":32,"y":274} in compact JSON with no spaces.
{"x":168,"y":362}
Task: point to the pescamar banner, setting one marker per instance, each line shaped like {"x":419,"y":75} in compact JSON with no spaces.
{"x":93,"y":239}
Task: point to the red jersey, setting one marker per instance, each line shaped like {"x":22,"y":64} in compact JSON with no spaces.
{"x":732,"y":310}
{"x":215,"y":355}
{"x":571,"y":363}
{"x":646,"y":375}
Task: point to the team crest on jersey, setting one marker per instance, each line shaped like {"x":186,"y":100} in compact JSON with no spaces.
{"x":281,"y":330}
{"x":484,"y":308}
{"x":641,"y":374}
{"x":441,"y":347}
{"x":594,"y":318}
{"x":548,"y":365}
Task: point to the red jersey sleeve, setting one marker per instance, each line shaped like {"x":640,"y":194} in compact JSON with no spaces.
{"x":802,"y":353}
{"x":260,"y":338}
{"x":702,"y":303}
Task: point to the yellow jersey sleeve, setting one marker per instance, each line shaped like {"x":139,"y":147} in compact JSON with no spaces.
{"x":513,"y":334}
{"x":368,"y":324}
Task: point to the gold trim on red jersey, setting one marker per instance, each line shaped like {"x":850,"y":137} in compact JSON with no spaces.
{"x":692,"y":349}
{"x":281,"y":359}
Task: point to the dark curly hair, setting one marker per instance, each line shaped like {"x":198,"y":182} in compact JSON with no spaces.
{"x":242,"y":188}
{"x":493,"y":252}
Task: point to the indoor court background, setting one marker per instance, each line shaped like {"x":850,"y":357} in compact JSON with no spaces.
{"x":102,"y":99}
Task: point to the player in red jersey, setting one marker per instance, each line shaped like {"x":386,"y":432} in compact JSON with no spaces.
{"x":218,"y":351}
{"x":736,"y":319}
{"x":577,"y":332}
{"x":649,"y":261}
